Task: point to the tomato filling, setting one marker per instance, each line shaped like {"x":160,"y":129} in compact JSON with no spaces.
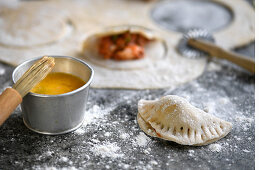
{"x":125,"y":46}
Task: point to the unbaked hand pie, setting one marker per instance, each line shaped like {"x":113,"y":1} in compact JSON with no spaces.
{"x":173,"y":118}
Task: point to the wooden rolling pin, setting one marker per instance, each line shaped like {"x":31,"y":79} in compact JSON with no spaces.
{"x":12,"y":97}
{"x":213,"y":50}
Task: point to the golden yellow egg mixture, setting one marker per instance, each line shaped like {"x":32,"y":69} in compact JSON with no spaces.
{"x":58,"y":83}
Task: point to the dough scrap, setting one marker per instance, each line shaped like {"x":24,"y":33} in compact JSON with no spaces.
{"x":27,"y":27}
{"x":173,"y":118}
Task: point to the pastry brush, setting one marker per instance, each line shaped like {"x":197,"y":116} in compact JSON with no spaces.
{"x":12,"y":97}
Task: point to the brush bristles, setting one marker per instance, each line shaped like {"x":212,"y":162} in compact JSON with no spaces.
{"x":34,"y":75}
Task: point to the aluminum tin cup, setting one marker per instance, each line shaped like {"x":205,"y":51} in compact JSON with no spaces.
{"x":56,"y":114}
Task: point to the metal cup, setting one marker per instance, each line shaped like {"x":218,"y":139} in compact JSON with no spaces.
{"x":56,"y":114}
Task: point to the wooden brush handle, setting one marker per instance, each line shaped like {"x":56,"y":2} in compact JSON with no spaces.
{"x":216,"y":51}
{"x":9,"y":100}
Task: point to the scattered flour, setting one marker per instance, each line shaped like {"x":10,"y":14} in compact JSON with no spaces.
{"x":191,"y":152}
{"x":210,"y":107}
{"x":2,"y":71}
{"x":212,"y":66}
{"x":147,"y":151}
{"x":52,"y":168}
{"x":126,"y":166}
{"x":107,"y":134}
{"x":237,"y":138}
{"x":215,"y":147}
{"x":246,"y":126}
{"x":223,"y":100}
{"x":124,"y":136}
{"x":64,"y":159}
{"x":79,"y":131}
{"x":95,"y":141}
{"x":245,"y":122}
{"x":153,"y":162}
{"x":107,"y":149}
{"x":48,"y":153}
{"x":244,"y":119}
{"x":126,"y":97}
{"x":141,"y":139}
{"x":247,"y":151}
{"x":93,"y":114}
{"x":45,"y":155}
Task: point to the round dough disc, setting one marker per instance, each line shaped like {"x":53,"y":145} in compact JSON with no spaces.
{"x":27,"y":27}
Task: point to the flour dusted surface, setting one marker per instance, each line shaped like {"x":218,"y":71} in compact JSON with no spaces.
{"x":111,"y":139}
{"x":215,"y":147}
{"x":107,"y":149}
{"x":2,"y":71}
{"x":141,"y":139}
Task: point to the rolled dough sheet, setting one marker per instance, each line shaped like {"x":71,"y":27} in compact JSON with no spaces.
{"x":59,"y":27}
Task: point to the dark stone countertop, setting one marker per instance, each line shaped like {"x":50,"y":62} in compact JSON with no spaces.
{"x":111,"y":139}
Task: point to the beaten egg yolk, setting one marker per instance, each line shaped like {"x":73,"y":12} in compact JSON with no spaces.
{"x":58,"y":83}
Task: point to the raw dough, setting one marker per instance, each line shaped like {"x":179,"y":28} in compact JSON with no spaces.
{"x":28,"y":27}
{"x":171,"y":71}
{"x":174,"y":118}
{"x":75,"y":20}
